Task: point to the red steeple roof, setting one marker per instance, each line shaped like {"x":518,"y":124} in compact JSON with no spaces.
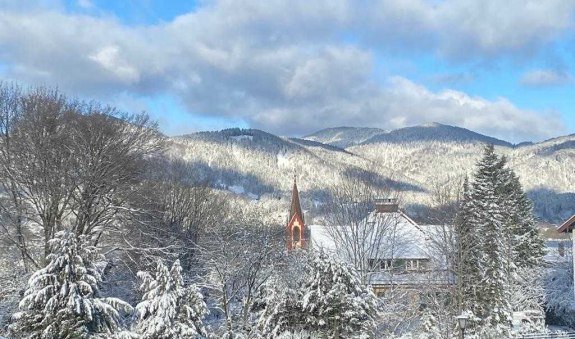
{"x":295,"y":208}
{"x":295,"y":228}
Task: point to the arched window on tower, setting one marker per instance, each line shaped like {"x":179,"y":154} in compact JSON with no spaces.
{"x":296,"y":235}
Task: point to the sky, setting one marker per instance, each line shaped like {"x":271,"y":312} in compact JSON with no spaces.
{"x":502,"y":68}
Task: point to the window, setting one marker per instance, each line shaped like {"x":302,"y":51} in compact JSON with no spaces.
{"x":417,"y":264}
{"x":296,"y":234}
{"x":399,"y":265}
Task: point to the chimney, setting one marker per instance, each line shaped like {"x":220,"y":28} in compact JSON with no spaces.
{"x":386,"y":205}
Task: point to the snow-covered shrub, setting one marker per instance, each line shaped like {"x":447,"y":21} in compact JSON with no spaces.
{"x":331,"y":302}
{"x":559,"y":297}
{"x":62,"y":298}
{"x":169,"y":309}
{"x":429,"y":328}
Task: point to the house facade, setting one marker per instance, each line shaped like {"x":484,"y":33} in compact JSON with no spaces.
{"x":387,"y":246}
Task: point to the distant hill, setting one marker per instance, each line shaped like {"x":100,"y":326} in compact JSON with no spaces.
{"x":350,"y":136}
{"x":344,"y":136}
{"x":414,"y":161}
{"x":434,"y":132}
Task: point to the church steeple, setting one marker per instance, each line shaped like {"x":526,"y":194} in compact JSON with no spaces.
{"x":295,"y":204}
{"x":296,"y":227}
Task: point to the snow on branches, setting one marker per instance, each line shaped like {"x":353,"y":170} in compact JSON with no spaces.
{"x":62,"y":298}
{"x":331,"y":301}
{"x":169,"y":309}
{"x":498,"y":242}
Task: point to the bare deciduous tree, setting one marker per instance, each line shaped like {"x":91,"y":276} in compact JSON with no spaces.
{"x":67,"y":164}
{"x":238,"y":255}
{"x":362,"y":238}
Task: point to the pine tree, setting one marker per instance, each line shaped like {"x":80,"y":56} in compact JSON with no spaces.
{"x":528,"y":248}
{"x":468,"y":252}
{"x":331,"y":302}
{"x":282,"y":310}
{"x":334,"y":300}
{"x":506,"y":242}
{"x":493,"y":300}
{"x":62,"y":298}
{"x":168,"y":308}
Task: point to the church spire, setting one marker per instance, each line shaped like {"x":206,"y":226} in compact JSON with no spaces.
{"x":295,"y":228}
{"x":295,"y":204}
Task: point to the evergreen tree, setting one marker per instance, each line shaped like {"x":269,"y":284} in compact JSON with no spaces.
{"x":282,"y":311}
{"x":62,"y":298}
{"x":528,"y":248}
{"x":468,"y":252}
{"x":488,"y":217}
{"x":331,"y":302}
{"x":334,"y":300}
{"x":497,"y":238}
{"x":169,"y":309}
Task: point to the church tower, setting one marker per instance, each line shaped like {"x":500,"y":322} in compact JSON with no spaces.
{"x":295,"y":229}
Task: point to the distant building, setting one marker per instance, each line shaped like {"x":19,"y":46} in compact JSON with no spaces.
{"x":295,"y":228}
{"x":396,"y":251}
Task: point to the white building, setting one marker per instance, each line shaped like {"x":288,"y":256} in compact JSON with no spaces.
{"x":390,"y":249}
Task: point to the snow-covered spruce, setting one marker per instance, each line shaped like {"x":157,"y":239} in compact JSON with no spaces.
{"x":498,"y":242}
{"x":169,"y":309}
{"x":62,"y":298}
{"x":468,"y":251}
{"x":489,"y":209}
{"x":331,"y":302}
{"x":528,"y":248}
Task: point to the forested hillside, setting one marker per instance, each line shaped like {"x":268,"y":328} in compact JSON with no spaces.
{"x":413,"y":162}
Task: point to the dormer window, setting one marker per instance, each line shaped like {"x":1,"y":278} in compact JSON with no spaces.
{"x":399,"y":265}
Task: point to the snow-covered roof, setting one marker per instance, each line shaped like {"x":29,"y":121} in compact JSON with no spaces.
{"x":390,"y":235}
{"x":567,"y":225}
{"x":433,"y":277}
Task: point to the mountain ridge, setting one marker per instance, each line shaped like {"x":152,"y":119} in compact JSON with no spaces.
{"x":347,"y":136}
{"x":262,"y":165}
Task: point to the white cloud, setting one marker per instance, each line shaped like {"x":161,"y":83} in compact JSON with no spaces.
{"x":468,"y":29}
{"x":499,"y":118}
{"x":108,"y":57}
{"x":545,"y":77}
{"x":280,"y":65}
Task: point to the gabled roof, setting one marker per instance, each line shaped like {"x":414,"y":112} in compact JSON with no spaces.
{"x":295,"y":208}
{"x":386,"y":235}
{"x":567,"y":225}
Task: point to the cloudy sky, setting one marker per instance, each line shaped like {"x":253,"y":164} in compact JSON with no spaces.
{"x":504,"y":68}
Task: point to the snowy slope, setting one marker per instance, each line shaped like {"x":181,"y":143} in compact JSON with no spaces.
{"x":351,"y":136}
{"x":412,"y":160}
{"x":344,"y":136}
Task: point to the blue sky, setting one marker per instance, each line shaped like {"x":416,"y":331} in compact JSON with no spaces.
{"x":506,"y":69}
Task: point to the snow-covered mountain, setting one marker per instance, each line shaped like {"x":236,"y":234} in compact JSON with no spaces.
{"x":413,"y":160}
{"x":344,"y":136}
{"x":351,"y":136}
